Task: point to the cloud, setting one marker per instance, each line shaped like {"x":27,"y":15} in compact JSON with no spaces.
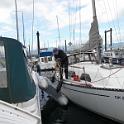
{"x":108,"y":11}
{"x":6,"y":4}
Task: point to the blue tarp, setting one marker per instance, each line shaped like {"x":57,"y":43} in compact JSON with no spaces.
{"x":46,"y":53}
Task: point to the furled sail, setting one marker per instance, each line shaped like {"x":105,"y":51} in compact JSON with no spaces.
{"x":94,"y":37}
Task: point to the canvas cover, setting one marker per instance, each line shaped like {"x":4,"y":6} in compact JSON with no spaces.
{"x":20,"y":86}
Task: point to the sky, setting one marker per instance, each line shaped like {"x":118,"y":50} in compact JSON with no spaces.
{"x":60,"y":20}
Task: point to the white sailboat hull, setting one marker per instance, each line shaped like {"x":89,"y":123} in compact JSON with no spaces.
{"x":106,"y":102}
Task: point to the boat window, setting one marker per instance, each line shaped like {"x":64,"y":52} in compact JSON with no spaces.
{"x":3,"y":73}
{"x":49,"y":58}
{"x":116,"y":53}
{"x":42,"y":60}
{"x":45,"y":59}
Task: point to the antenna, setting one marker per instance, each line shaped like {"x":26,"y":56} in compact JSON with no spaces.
{"x":17,"y":29}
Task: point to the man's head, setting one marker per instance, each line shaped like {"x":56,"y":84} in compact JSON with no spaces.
{"x":55,"y":51}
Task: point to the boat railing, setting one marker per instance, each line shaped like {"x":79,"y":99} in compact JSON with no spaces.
{"x":82,"y":57}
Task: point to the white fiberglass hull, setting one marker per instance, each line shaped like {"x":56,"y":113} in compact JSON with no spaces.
{"x":106,"y":102}
{"x":10,"y":114}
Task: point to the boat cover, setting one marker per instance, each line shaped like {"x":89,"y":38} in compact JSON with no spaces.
{"x":20,"y":85}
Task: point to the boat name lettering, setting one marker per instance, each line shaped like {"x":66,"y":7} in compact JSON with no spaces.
{"x":119,"y":97}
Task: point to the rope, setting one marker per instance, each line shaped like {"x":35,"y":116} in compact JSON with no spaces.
{"x":108,"y":76}
{"x":58,"y":66}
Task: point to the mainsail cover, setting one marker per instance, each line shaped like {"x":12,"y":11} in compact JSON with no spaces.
{"x":95,"y":39}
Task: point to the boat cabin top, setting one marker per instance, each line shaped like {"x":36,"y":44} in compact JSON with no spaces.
{"x":118,"y":53}
{"x":46,"y":56}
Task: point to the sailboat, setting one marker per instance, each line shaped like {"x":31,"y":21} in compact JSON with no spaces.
{"x":19,"y":93}
{"x":95,"y":85}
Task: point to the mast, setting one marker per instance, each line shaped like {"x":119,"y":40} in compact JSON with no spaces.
{"x":94,"y":33}
{"x":23,"y":29}
{"x":38,"y":43}
{"x":94,"y":9}
{"x":80,"y":19}
{"x":95,"y":40}
{"x":17,"y":28}
{"x":94,"y":30}
{"x":108,"y":31}
{"x":29,"y":51}
{"x":32,"y":25}
{"x":58,"y":30}
{"x":65,"y":47}
{"x":69,"y":20}
{"x":105,"y":40}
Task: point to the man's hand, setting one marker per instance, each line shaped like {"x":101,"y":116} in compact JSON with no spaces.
{"x":57,"y":65}
{"x":58,"y":60}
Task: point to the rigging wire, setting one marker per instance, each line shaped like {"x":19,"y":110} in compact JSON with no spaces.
{"x":72,"y":21}
{"x":112,"y":21}
{"x":108,"y":22}
{"x":115,"y":9}
{"x":105,"y":8}
{"x":75,"y":12}
{"x":108,"y":75}
{"x":118,"y":23}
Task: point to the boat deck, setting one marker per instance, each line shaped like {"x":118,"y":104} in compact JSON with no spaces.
{"x":102,"y":76}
